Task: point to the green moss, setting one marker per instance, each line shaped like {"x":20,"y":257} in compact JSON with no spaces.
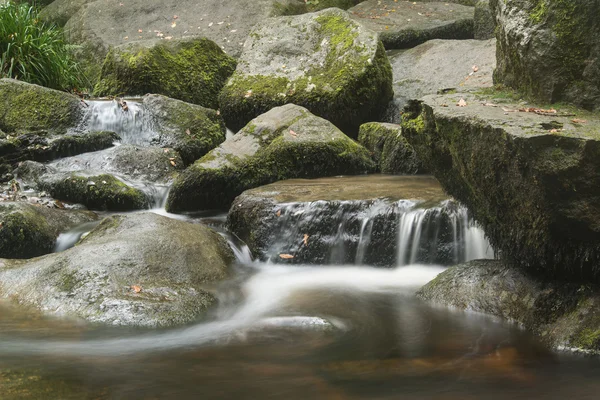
{"x":24,"y":233}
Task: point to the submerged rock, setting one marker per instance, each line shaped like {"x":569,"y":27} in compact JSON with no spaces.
{"x":550,"y":49}
{"x":28,"y":231}
{"x":403,"y":24}
{"x":323,"y":61}
{"x":529,"y":175}
{"x":192,"y":70}
{"x":286,"y":142}
{"x":141,"y":269}
{"x":565,"y":316}
{"x":390,"y":150}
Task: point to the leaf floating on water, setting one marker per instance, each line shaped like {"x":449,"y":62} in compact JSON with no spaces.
{"x":286,"y":256}
{"x":461,"y":103}
{"x":136,"y":288}
{"x":305,"y":240}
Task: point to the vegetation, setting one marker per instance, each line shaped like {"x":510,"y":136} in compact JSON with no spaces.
{"x":34,"y":51}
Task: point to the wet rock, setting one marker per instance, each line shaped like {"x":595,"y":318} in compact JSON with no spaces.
{"x":60,"y":11}
{"x":140,"y":269}
{"x":531,"y":178}
{"x":192,"y":70}
{"x":190,"y":129}
{"x":565,"y":316}
{"x":442,"y":65}
{"x":390,"y":150}
{"x":403,"y":24}
{"x":550,"y":50}
{"x":296,"y":7}
{"x":28,"y":231}
{"x":286,"y":142}
{"x":323,"y":61}
{"x":25,"y":107}
{"x":485,"y":26}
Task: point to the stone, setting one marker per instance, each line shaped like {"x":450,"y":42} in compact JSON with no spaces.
{"x":286,"y":142}
{"x":530,"y":176}
{"x":390,"y":150}
{"x":29,"y":231}
{"x":550,"y":50}
{"x":565,"y":316}
{"x":296,"y":7}
{"x":192,"y":70}
{"x":485,"y":26}
{"x":141,"y":269}
{"x":323,"y":61}
{"x":403,"y":24}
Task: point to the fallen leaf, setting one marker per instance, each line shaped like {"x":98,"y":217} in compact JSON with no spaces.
{"x":136,"y":288}
{"x":578,"y":121}
{"x":461,"y":103}
{"x":475,"y":68}
{"x":140,"y":31}
{"x":175,"y":17}
{"x":286,"y":256}
{"x":187,"y":132}
{"x":278,"y":213}
{"x":248,"y":93}
{"x":173,"y":24}
{"x":166,"y":150}
{"x":173,"y":163}
{"x":293,"y":133}
{"x":305,"y":239}
{"x":489,"y":105}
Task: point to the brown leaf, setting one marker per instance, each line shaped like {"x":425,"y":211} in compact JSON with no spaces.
{"x":166,"y":150}
{"x":286,"y":256}
{"x":173,"y":163}
{"x":293,"y":133}
{"x":578,"y":121}
{"x":187,"y":132}
{"x":278,"y":213}
{"x":136,"y":288}
{"x":305,"y":240}
{"x":461,"y":103}
{"x":475,"y":68}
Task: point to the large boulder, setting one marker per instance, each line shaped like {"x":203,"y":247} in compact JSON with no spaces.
{"x":550,"y":49}
{"x":323,"y":61}
{"x":565,"y":316}
{"x":27,"y":230}
{"x":404,"y":24}
{"x":192,"y":70}
{"x":485,"y":25}
{"x":529,"y":175}
{"x":295,"y":7}
{"x":286,"y":142}
{"x":141,"y":269}
{"x":25,"y":107}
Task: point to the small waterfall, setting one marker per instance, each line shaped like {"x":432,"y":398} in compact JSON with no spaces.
{"x":68,"y":239}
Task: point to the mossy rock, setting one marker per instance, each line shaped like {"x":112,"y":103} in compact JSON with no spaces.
{"x":550,"y":49}
{"x":297,"y":7}
{"x":25,"y":107}
{"x":190,"y":129}
{"x":60,"y":11}
{"x":286,"y":142}
{"x":390,"y":150}
{"x":29,"y":231}
{"x":323,"y":61}
{"x":191,"y":70}
{"x":485,"y":25}
{"x":141,"y":269}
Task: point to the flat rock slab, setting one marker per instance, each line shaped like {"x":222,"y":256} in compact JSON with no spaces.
{"x":405,"y":24}
{"x":442,"y":64}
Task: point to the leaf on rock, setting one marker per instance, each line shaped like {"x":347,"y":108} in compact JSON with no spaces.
{"x":136,"y":288}
{"x":286,"y":256}
{"x":461,"y":103}
{"x":305,"y":239}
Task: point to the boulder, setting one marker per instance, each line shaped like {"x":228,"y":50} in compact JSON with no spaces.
{"x":485,"y":26}
{"x":190,"y":129}
{"x":529,"y":175}
{"x":192,"y":70}
{"x":296,"y":7}
{"x":323,"y":61}
{"x":27,"y":230}
{"x":565,"y":316}
{"x":286,"y":142}
{"x":141,"y":269}
{"x":390,"y":150}
{"x":403,"y":24}
{"x":550,"y":50}
{"x":25,"y":107}
{"x":60,"y":11}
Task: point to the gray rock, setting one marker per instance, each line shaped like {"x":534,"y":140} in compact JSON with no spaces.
{"x":60,"y":11}
{"x":296,"y":7}
{"x":531,"y":178}
{"x":390,"y":150}
{"x":140,"y":269}
{"x":286,"y":142}
{"x":550,"y":50}
{"x":485,"y":25}
{"x":404,"y":24}
{"x":28,"y":231}
{"x":565,"y":316}
{"x":323,"y":61}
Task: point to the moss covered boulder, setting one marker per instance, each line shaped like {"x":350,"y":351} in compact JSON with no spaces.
{"x":25,"y":107}
{"x":530,"y":174}
{"x":390,"y":150}
{"x":323,"y":61}
{"x":192,"y":70}
{"x":286,"y":142}
{"x":565,"y":316}
{"x":550,"y":50}
{"x":142,"y":269}
{"x":190,"y":129}
{"x":404,"y":24}
{"x":28,"y":231}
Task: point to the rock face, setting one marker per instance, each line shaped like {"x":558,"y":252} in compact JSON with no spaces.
{"x":286,"y":142}
{"x":25,"y":107}
{"x":192,"y":70}
{"x":485,"y":25}
{"x":30,"y":231}
{"x":550,"y":49}
{"x":531,"y":180}
{"x":403,"y":24}
{"x":390,"y":150}
{"x":565,"y":316}
{"x":323,"y":61}
{"x":296,"y":7}
{"x":141,"y":269}
{"x":190,"y":129}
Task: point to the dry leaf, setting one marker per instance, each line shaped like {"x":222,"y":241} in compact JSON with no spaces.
{"x":286,"y":256}
{"x":166,"y":150}
{"x":293,"y":133}
{"x":578,"y":121}
{"x":175,"y":17}
{"x":475,"y":68}
{"x":461,"y":103}
{"x":278,"y":213}
{"x":188,"y":132}
{"x":248,"y":93}
{"x":136,"y":288}
{"x":305,"y":239}
{"x":173,"y":163}
{"x":140,"y":31}
{"x":174,"y":24}
{"x":489,"y":105}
